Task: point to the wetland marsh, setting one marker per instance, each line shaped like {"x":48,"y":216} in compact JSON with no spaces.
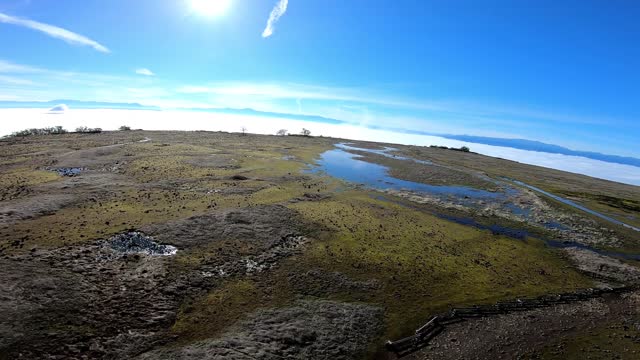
{"x":294,"y":247}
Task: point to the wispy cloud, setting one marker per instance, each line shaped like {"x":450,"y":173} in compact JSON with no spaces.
{"x":9,"y":67}
{"x":28,"y":83}
{"x":295,"y":91}
{"x":54,"y":31}
{"x":145,"y":72}
{"x":15,"y":81}
{"x":276,"y":13}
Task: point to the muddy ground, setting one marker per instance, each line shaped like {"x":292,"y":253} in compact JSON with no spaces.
{"x":210,"y":245}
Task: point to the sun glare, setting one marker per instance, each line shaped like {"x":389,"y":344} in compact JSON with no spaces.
{"x":211,"y":8}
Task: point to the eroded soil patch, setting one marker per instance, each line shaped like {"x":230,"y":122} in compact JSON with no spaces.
{"x":84,"y":301}
{"x":306,"y":330}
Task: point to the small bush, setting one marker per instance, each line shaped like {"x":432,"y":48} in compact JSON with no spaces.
{"x":124,"y":128}
{"x":55,"y":130}
{"x":463,"y":149}
{"x":88,"y":130}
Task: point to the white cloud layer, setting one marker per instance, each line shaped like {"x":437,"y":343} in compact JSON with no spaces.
{"x":19,"y":119}
{"x":54,"y":31}
{"x":145,"y":72}
{"x":276,"y":13}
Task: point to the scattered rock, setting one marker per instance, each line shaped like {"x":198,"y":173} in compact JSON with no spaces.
{"x":287,"y":246}
{"x":134,"y":242}
{"x":69,"y":172}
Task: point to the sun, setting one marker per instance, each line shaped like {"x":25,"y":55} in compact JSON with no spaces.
{"x":211,"y":8}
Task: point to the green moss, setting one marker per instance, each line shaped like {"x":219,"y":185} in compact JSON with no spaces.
{"x":210,"y":314}
{"x":27,"y":177}
{"x":163,"y":168}
{"x":19,"y":181}
{"x":13,"y":160}
{"x":425,"y":264}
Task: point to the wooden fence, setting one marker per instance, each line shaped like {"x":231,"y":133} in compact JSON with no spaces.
{"x":438,"y":323}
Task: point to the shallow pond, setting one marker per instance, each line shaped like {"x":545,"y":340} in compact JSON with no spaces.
{"x":344,"y":165}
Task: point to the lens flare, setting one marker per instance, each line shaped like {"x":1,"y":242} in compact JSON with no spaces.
{"x":210,"y":8}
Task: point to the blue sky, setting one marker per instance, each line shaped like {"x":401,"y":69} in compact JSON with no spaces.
{"x":564,"y":72}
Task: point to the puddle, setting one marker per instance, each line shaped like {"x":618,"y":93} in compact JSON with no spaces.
{"x":347,"y":166}
{"x":556,"y":225}
{"x":138,"y":243}
{"x":494,"y":228}
{"x":517,"y":210}
{"x":247,"y":265}
{"x":575,"y":205}
{"x":70,"y":172}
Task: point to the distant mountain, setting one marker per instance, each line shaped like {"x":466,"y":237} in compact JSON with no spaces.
{"x":543,"y":147}
{"x":75,"y":104}
{"x":59,"y":109}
